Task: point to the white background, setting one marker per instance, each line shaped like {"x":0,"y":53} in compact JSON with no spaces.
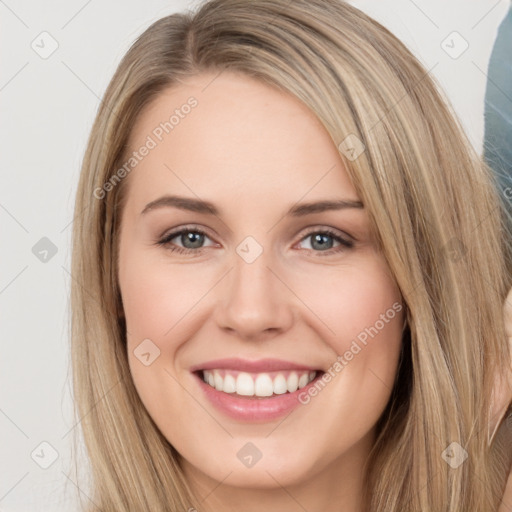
{"x":47,"y":109}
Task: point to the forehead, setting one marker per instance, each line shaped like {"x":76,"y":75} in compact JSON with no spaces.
{"x":229,"y":133}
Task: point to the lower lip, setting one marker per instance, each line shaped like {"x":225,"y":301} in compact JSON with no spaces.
{"x":254,"y":409}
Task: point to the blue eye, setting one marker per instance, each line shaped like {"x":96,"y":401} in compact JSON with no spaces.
{"x":320,"y":239}
{"x":187,"y":235}
{"x":192,"y":239}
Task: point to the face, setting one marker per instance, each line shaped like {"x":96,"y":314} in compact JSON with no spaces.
{"x":288,"y":311}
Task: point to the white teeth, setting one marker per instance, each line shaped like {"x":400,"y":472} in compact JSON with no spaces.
{"x":219,"y":384}
{"x":303,"y":380}
{"x":280,"y":385}
{"x":229,"y":384}
{"x":261,"y":384}
{"x":244,"y":384}
{"x":292,"y":382}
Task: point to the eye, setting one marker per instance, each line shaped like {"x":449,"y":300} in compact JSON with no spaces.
{"x":190,"y":236}
{"x":192,"y":239}
{"x":320,"y":240}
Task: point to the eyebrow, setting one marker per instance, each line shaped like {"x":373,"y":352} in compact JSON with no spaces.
{"x":208,"y":208}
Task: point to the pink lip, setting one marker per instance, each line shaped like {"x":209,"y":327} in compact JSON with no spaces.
{"x":246,"y":365}
{"x":253,"y":409}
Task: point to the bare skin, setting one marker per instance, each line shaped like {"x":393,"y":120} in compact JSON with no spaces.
{"x":254,"y":153}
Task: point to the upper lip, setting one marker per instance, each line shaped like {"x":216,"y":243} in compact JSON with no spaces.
{"x":252,"y":366}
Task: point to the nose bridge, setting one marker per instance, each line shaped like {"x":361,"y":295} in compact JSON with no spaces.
{"x":255,"y":300}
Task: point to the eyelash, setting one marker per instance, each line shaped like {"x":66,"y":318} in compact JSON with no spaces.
{"x":165,"y":241}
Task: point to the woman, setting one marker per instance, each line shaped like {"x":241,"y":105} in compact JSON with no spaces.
{"x":239,"y":368}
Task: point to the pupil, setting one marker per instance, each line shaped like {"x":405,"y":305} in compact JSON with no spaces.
{"x":321,"y":238}
{"x":190,"y":238}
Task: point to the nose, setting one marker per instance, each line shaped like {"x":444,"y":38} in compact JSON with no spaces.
{"x":255,"y":302}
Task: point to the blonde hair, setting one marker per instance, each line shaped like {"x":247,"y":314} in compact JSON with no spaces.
{"x":434,"y":209}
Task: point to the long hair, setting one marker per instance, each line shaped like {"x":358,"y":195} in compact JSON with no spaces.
{"x":433,"y":207}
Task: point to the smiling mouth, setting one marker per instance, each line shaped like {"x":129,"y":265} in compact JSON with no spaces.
{"x":257,"y":385}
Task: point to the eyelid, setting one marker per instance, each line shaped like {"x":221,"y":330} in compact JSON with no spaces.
{"x":173,"y":233}
{"x":334,"y":231}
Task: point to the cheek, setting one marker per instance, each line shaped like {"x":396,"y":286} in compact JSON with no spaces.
{"x":359,"y":302}
{"x":363,"y":314}
{"x":158,"y":302}
{"x":162,"y":305}
{"x":157,"y":297}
